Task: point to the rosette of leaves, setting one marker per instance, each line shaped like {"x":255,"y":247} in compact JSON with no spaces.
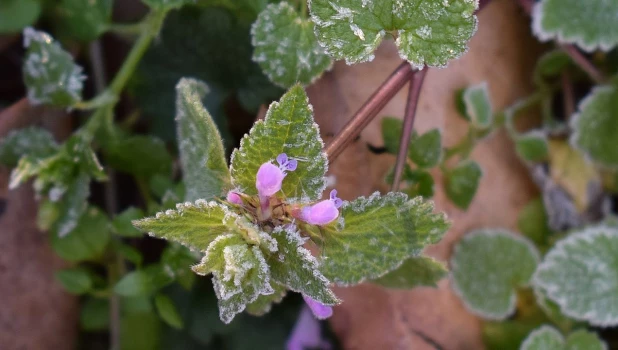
{"x":254,"y":259}
{"x":427,"y":32}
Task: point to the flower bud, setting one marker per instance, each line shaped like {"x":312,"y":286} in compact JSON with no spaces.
{"x":234,"y":198}
{"x":323,"y":212}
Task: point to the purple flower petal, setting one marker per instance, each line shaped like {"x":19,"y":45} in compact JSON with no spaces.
{"x":291,"y":165}
{"x":320,"y":213}
{"x":268,"y":180}
{"x":234,"y":198}
{"x":282,"y":159}
{"x":319,"y":310}
{"x":333,"y":197}
{"x":306,"y":333}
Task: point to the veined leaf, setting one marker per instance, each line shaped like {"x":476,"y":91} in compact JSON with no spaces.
{"x":428,"y":32}
{"x":415,"y":272}
{"x":202,"y":154}
{"x":288,"y":128}
{"x":548,"y":338}
{"x":375,"y":235}
{"x":590,"y":24}
{"x":50,"y":74}
{"x":195,"y":225}
{"x":286,"y":47}
{"x":580,"y":275}
{"x":487,"y":267}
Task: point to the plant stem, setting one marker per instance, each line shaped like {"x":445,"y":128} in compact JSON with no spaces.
{"x":416,"y":83}
{"x":369,"y":110}
{"x":582,"y":62}
{"x":568,"y":95}
{"x":304,"y":8}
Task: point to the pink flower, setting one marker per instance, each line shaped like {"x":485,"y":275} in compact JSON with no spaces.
{"x":319,"y":310}
{"x":306,"y":333}
{"x":270,"y":177}
{"x":234,"y":198}
{"x":323,"y":212}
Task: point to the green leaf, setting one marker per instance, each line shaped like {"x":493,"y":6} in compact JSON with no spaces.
{"x":144,"y":282}
{"x":123,"y":222}
{"x":94,"y":315}
{"x":288,"y":128}
{"x":140,"y":155}
{"x":75,"y":280}
{"x":263,"y":304}
{"x":580,"y":275}
{"x":533,"y":221}
{"x":488,"y":266}
{"x":140,"y":331}
{"x":168,"y":312}
{"x":426,"y":150}
{"x":166,"y":5}
{"x":391,"y":133}
{"x":72,"y":205}
{"x":429,"y":32}
{"x":415,"y":272}
{"x":596,"y":125}
{"x":532,"y":146}
{"x":32,"y":141}
{"x":295,"y":267}
{"x":195,"y":225}
{"x":548,"y":338}
{"x":202,"y":154}
{"x":85,"y":20}
{"x":87,"y":241}
{"x":50,"y":74}
{"x":179,"y":260}
{"x":15,"y":15}
{"x":414,"y":182}
{"x":478,"y":106}
{"x":129,"y":253}
{"x":375,"y":235}
{"x":591,"y":24}
{"x":462,"y":182}
{"x":550,"y":65}
{"x":240,"y":274}
{"x":277,"y":30}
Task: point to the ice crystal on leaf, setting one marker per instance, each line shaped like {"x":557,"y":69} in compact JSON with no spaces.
{"x":254,"y":238}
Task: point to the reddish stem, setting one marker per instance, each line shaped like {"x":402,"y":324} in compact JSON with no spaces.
{"x":369,"y":110}
{"x":416,"y":83}
{"x":583,"y":63}
{"x":568,"y":95}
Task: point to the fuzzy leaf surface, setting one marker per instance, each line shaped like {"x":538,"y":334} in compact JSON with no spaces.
{"x":375,"y":235}
{"x":286,"y":47}
{"x":202,"y":154}
{"x":414,"y":272}
{"x":33,"y":141}
{"x":288,"y":128}
{"x":478,"y":106}
{"x":580,"y":274}
{"x":589,"y":24}
{"x":548,"y":338}
{"x":50,"y":74}
{"x":429,"y":32}
{"x":193,"y":224}
{"x":596,"y":125}
{"x":487,"y":268}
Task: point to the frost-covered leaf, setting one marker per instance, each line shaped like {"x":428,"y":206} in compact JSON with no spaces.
{"x":32,"y":141}
{"x":426,"y":150}
{"x":488,"y":266}
{"x":415,"y":182}
{"x":167,"y":311}
{"x":144,"y":282}
{"x":87,"y":241}
{"x":590,"y":24}
{"x":263,"y":304}
{"x":72,"y":205}
{"x":375,"y":235}
{"x":15,"y":15}
{"x":414,"y":272}
{"x":240,"y":274}
{"x":85,"y":19}
{"x":532,"y":146}
{"x":532,"y":221}
{"x":295,"y":267}
{"x":122,"y":223}
{"x":286,"y":46}
{"x":76,"y":280}
{"x":193,"y":224}
{"x":478,"y":106}
{"x":596,"y":126}
{"x":166,"y":5}
{"x":462,"y":182}
{"x":50,"y":74}
{"x":288,"y":128}
{"x":429,"y":32}
{"x":202,"y":155}
{"x":548,"y":338}
{"x":580,"y":275}
{"x":139,"y":155}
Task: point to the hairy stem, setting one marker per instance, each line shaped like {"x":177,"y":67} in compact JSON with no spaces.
{"x":416,"y":83}
{"x":369,"y":110}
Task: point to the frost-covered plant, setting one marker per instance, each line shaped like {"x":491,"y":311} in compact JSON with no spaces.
{"x":255,"y":241}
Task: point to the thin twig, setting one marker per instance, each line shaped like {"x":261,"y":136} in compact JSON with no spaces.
{"x":568,"y":95}
{"x":582,"y":62}
{"x":416,"y":83}
{"x":369,"y":110}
